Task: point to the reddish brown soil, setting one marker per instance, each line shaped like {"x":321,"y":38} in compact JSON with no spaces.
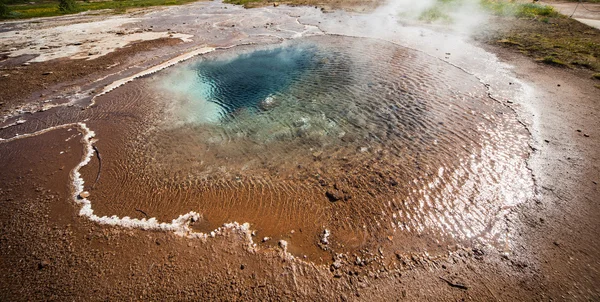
{"x":21,"y":84}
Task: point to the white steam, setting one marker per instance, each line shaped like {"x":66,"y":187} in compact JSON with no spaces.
{"x":459,"y":15}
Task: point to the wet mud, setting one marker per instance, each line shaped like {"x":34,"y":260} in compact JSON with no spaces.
{"x":388,"y":150}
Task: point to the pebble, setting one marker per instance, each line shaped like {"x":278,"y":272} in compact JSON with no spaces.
{"x":283,"y":244}
{"x":43,"y":264}
{"x":84,"y":194}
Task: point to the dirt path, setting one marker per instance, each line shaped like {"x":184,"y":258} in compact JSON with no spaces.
{"x":587,"y":13}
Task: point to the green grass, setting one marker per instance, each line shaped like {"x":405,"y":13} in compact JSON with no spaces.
{"x":551,"y":60}
{"x":519,"y":10}
{"x":596,"y":76}
{"x":563,"y":43}
{"x":49,"y":8}
{"x":244,"y":3}
{"x":442,"y":9}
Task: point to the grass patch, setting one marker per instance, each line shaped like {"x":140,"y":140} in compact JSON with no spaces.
{"x":551,"y":60}
{"x":435,"y":13}
{"x":47,"y":8}
{"x":245,"y":3}
{"x":519,"y":10}
{"x":67,"y":6}
{"x":596,"y":76}
{"x":442,"y":9}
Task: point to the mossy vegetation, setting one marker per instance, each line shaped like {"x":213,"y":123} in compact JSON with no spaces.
{"x":561,"y":42}
{"x":519,"y":10}
{"x":551,"y":60}
{"x":4,"y":10}
{"x":67,"y":6}
{"x":20,"y":9}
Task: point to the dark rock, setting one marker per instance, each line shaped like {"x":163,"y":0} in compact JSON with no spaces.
{"x":334,"y":195}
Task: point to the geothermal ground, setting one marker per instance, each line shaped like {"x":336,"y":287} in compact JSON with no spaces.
{"x":208,"y":151}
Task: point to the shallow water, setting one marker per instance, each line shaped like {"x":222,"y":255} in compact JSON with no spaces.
{"x":380,"y":145}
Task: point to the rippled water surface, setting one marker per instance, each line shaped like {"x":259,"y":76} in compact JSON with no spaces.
{"x":378,"y":144}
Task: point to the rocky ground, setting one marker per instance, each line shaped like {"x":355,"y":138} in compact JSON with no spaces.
{"x":49,"y":252}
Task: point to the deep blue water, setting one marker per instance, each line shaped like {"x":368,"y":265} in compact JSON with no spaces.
{"x":248,"y":79}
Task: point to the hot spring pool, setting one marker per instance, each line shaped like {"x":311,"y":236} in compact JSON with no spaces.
{"x":360,"y":137}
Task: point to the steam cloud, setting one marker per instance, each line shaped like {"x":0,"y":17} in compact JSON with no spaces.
{"x":460,"y":15}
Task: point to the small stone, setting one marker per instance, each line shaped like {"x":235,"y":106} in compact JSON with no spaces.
{"x":84,"y":194}
{"x":586,"y":135}
{"x":13,"y":49}
{"x":283,"y":244}
{"x":275,"y":4}
{"x":43,"y":264}
{"x":333,"y":196}
{"x":265,"y":239}
{"x":44,"y":47}
{"x":47,"y":73}
{"x":268,"y":103}
{"x":242,"y":267}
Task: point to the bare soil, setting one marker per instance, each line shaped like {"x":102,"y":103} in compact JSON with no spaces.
{"x":22,"y":84}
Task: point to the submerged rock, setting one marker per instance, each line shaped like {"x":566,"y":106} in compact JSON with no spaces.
{"x":268,"y":103}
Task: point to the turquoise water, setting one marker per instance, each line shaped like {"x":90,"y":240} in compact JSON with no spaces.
{"x":250,"y":79}
{"x":216,"y":89}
